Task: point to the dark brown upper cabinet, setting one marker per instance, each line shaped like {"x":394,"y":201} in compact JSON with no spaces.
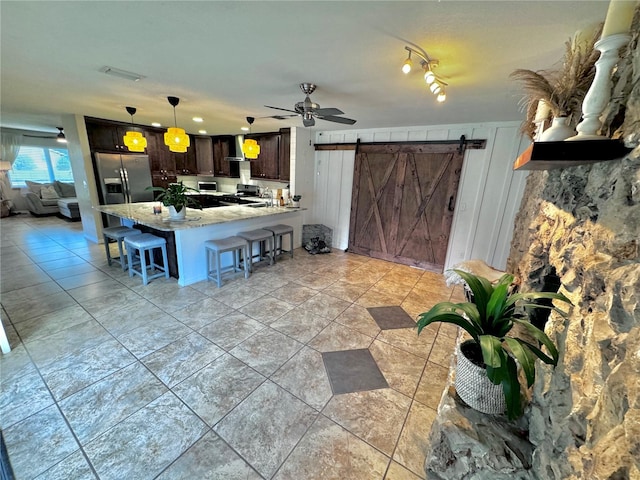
{"x":273,"y":161}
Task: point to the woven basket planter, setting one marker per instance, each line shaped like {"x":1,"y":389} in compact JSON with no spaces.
{"x":474,"y":387}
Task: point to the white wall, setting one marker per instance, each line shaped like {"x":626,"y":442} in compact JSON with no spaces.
{"x":488,"y":195}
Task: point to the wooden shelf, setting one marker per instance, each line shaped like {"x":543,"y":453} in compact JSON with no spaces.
{"x":550,"y":155}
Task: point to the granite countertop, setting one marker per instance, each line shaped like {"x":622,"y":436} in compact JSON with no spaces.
{"x":142,"y":213}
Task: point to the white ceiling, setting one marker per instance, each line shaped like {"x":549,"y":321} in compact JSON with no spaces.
{"x":226,"y":60}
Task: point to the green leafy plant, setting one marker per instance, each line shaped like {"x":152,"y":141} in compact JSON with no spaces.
{"x":175,"y":195}
{"x":296,"y":198}
{"x":490,"y":316}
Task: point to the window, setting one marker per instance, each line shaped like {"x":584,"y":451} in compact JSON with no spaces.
{"x":40,"y":164}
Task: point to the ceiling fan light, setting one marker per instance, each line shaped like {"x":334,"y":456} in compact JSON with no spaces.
{"x":60,"y":138}
{"x":250,"y":148}
{"x":435,"y":88}
{"x":442,"y":96}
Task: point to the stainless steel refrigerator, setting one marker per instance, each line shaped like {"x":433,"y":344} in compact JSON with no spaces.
{"x":122,"y":179}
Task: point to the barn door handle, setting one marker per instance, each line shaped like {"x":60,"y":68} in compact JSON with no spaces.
{"x":451,"y":205}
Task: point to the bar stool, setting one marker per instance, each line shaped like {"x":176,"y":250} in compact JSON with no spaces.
{"x":117,"y":234}
{"x":278,"y":232}
{"x":143,"y":243}
{"x":235,"y":245}
{"x":261,"y":236}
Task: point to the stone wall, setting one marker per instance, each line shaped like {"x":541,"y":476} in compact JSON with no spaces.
{"x":584,"y":222}
{"x":580,"y":225}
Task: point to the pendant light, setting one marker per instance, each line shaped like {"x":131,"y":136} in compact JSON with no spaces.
{"x":176,"y":138}
{"x":250,"y":147}
{"x":134,"y":141}
{"x":60,"y":138}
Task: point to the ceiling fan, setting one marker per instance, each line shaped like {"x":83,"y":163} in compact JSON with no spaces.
{"x":60,"y":137}
{"x":309,"y":110}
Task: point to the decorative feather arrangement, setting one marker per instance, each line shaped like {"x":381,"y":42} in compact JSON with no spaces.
{"x":563,"y":90}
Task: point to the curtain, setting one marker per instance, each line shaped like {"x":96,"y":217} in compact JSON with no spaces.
{"x":10,"y":147}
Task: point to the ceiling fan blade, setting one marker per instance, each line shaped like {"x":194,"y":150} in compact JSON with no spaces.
{"x":278,"y":108}
{"x":321,"y":112}
{"x":37,"y":136}
{"x":281,"y":117}
{"x":331,"y":118}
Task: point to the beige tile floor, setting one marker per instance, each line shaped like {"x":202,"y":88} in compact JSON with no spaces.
{"x":110,"y":379}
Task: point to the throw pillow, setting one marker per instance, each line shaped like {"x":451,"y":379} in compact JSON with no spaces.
{"x":34,"y":187}
{"x":48,"y":193}
{"x":65,"y":189}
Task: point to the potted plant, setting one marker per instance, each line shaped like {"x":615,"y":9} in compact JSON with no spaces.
{"x":175,"y":197}
{"x":296,"y":201}
{"x":490,"y":315}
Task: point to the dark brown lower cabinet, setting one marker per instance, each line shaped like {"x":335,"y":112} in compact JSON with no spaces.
{"x":403,"y":201}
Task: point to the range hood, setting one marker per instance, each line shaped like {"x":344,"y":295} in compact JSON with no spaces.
{"x":549,"y":155}
{"x":239,"y":156}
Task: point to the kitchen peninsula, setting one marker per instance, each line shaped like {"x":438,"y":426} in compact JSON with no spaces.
{"x":188,"y":236}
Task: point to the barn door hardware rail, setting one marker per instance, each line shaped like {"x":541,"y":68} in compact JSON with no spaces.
{"x":462,"y":142}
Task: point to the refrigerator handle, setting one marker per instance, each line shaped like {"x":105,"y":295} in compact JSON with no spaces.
{"x":125,"y":184}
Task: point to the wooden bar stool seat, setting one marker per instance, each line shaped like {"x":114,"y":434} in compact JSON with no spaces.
{"x":214,"y":248}
{"x":279,"y":231}
{"x":117,"y":234}
{"x":143,"y":243}
{"x":264,"y":238}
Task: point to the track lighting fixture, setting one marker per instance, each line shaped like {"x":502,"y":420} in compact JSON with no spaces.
{"x":176,"y":138}
{"x":60,"y":138}
{"x":436,"y":85}
{"x":134,"y":141}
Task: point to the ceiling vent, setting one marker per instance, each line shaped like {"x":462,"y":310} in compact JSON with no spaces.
{"x":116,"y":72}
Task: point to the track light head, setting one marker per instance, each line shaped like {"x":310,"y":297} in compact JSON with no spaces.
{"x":435,"y":88}
{"x":406,"y":66}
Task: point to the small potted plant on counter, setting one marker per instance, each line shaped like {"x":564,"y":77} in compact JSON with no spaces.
{"x":487,"y":374}
{"x":296,"y":201}
{"x":176,"y":198}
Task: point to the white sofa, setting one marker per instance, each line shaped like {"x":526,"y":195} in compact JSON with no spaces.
{"x":51,"y":198}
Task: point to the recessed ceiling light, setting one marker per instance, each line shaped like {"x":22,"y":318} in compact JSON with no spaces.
{"x":202,"y":131}
{"x":198,"y":119}
{"x":156,"y":124}
{"x":244,"y":129}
